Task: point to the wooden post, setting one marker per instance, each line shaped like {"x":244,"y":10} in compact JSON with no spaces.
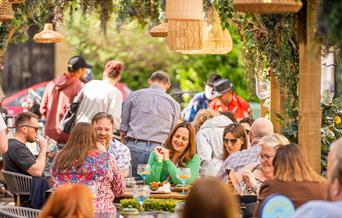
{"x":309,"y":86}
{"x":276,"y":107}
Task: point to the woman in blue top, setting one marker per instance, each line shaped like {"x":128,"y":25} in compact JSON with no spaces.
{"x":179,"y":151}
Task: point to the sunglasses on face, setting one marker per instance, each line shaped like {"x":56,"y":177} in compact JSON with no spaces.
{"x":232,"y":141}
{"x":33,"y":127}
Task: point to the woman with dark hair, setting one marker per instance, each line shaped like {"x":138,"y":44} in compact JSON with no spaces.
{"x":179,"y":151}
{"x":234,"y":139}
{"x":294,"y":177}
{"x":80,"y":161}
{"x":211,"y":198}
{"x":71,"y":200}
{"x":102,"y":95}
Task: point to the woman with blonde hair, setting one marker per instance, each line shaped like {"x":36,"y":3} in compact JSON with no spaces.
{"x":211,"y":198}
{"x":294,"y":177}
{"x":70,"y":200}
{"x":179,"y":151}
{"x":80,"y":161}
{"x":253,"y":175}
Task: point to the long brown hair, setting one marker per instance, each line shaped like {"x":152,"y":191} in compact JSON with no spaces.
{"x":82,"y":140}
{"x":290,"y":165}
{"x":190,"y":150}
{"x":210,"y":198}
{"x":70,"y":200}
{"x":238,"y":131}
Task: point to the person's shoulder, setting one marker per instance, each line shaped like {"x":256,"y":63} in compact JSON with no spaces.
{"x":14,"y":144}
{"x":318,"y":208}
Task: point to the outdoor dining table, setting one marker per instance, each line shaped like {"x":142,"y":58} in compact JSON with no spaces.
{"x":174,"y":195}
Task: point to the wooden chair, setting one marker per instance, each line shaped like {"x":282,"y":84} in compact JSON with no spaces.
{"x":18,"y":184}
{"x":18,"y":212}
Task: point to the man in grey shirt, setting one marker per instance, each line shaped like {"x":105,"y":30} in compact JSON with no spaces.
{"x":148,"y":116}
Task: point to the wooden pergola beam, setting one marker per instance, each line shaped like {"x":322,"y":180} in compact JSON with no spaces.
{"x":309,"y":86}
{"x":276,"y":107}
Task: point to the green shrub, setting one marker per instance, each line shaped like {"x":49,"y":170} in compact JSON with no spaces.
{"x":151,"y":204}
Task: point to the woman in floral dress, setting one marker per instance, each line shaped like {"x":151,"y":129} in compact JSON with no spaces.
{"x":81,"y":161}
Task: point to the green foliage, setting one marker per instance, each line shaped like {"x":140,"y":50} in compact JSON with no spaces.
{"x":167,"y":205}
{"x":331,"y":126}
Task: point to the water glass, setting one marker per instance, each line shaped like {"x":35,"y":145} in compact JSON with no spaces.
{"x":141,"y":192}
{"x":183,"y":174}
{"x":144,"y":170}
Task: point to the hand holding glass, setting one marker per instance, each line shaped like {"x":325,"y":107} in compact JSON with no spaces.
{"x":183,"y":174}
{"x":144,"y":170}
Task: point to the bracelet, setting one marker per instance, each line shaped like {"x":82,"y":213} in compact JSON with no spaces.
{"x":160,"y":160}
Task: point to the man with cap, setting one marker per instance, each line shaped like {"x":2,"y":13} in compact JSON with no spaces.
{"x":200,"y":100}
{"x":58,"y":95}
{"x":227,"y":100}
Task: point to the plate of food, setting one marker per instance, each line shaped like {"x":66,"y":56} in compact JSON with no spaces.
{"x":160,"y":187}
{"x":180,"y":188}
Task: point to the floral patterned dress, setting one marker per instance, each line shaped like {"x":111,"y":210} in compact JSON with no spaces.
{"x":100,"y":171}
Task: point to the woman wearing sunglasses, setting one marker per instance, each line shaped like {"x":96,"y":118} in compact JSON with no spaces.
{"x":234,"y":139}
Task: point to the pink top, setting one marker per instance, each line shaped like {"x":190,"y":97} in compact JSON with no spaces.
{"x":99,"y":170}
{"x":57,"y":97}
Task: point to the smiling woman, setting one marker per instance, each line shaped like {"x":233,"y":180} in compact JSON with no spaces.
{"x":179,"y":151}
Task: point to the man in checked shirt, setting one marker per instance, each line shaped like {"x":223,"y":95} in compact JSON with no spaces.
{"x":148,"y":116}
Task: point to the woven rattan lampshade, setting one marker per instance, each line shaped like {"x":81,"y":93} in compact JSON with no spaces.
{"x":268,"y":6}
{"x":6,"y":10}
{"x":216,"y":40}
{"x":185,"y":21}
{"x":16,"y":1}
{"x":159,"y":31}
{"x":48,"y":35}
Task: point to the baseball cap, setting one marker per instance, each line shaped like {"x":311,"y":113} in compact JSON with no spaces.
{"x":222,"y":86}
{"x":76,"y":63}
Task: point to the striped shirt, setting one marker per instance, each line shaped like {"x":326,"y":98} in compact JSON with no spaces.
{"x":149,"y":114}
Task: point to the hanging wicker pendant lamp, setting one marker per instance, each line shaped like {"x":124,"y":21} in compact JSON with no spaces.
{"x":6,"y":10}
{"x":159,"y":31}
{"x":185,"y":21}
{"x":48,"y":35}
{"x":268,"y":6}
{"x":216,"y":40}
{"x":16,"y":1}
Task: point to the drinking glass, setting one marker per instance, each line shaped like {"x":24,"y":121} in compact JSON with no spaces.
{"x":144,"y":170}
{"x":183,"y":174}
{"x":141,"y":192}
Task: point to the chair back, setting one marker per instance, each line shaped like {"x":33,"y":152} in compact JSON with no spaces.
{"x":18,"y":212}
{"x":18,"y":184}
{"x":277,"y":205}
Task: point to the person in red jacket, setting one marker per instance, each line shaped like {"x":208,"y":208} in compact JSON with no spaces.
{"x":227,"y":101}
{"x":58,"y":95}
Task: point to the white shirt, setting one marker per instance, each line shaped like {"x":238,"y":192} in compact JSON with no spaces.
{"x":99,"y":96}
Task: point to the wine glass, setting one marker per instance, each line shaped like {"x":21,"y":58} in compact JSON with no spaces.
{"x":141,"y":192}
{"x":144,"y":170}
{"x":183,"y":174}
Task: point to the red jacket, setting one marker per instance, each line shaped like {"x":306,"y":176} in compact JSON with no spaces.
{"x":57,"y":97}
{"x":239,"y":107}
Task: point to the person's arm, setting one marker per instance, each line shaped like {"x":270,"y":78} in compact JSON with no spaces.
{"x":125,"y":117}
{"x":37,"y":169}
{"x":194,"y":165}
{"x":3,"y":136}
{"x":156,"y":168}
{"x":118,"y":185}
{"x":43,"y":105}
{"x":190,"y":109}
